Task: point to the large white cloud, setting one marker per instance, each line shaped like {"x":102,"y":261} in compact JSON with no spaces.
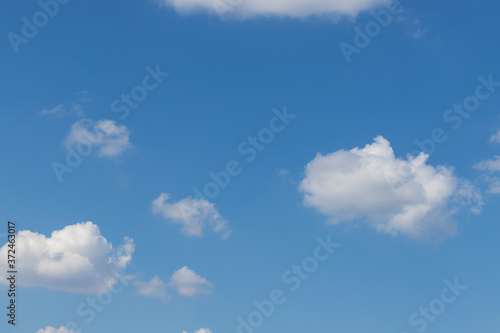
{"x":188,"y":283}
{"x":50,"y":329}
{"x":110,"y":139}
{"x":75,"y":259}
{"x":195,"y":215}
{"x":394,"y":195}
{"x":290,"y":8}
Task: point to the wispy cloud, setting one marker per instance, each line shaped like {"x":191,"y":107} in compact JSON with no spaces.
{"x":495,"y":138}
{"x":420,"y":32}
{"x":61,"y":111}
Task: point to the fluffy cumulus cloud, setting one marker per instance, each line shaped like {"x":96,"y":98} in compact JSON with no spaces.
{"x":108,"y":138}
{"x":75,"y":259}
{"x":289,"y":8}
{"x":195,"y":215}
{"x":396,"y":196}
{"x":50,"y":329}
{"x":152,"y":288}
{"x":188,"y":283}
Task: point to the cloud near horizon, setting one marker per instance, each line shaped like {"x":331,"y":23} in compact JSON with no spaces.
{"x":243,"y":9}
{"x":76,"y":259}
{"x":393,"y":195}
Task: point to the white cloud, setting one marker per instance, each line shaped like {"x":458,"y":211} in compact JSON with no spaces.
{"x":50,"y":329}
{"x":489,"y":165}
{"x":201,"y":330}
{"x":290,"y":8}
{"x":193,"y":214}
{"x":111,"y":139}
{"x":60,"y":111}
{"x":188,"y":283}
{"x":405,"y":196}
{"x":75,"y":259}
{"x":495,"y":138}
{"x":152,"y":288}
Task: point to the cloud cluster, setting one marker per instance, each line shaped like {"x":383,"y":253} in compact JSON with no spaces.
{"x":195,"y":215}
{"x":396,"y":196}
{"x":75,"y":259}
{"x":111,"y":139}
{"x":50,"y":329}
{"x":283,"y":8}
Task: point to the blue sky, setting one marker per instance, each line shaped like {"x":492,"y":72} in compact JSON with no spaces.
{"x":337,"y":168}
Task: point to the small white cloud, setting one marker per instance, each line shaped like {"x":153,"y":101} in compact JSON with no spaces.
{"x":60,"y":111}
{"x":289,"y":8}
{"x":152,"y":288}
{"x":193,"y":214}
{"x":495,"y":138}
{"x":111,"y":139}
{"x":75,"y":259}
{"x":50,"y":329}
{"x":393,"y":195}
{"x":188,"y":283}
{"x":489,"y":165}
